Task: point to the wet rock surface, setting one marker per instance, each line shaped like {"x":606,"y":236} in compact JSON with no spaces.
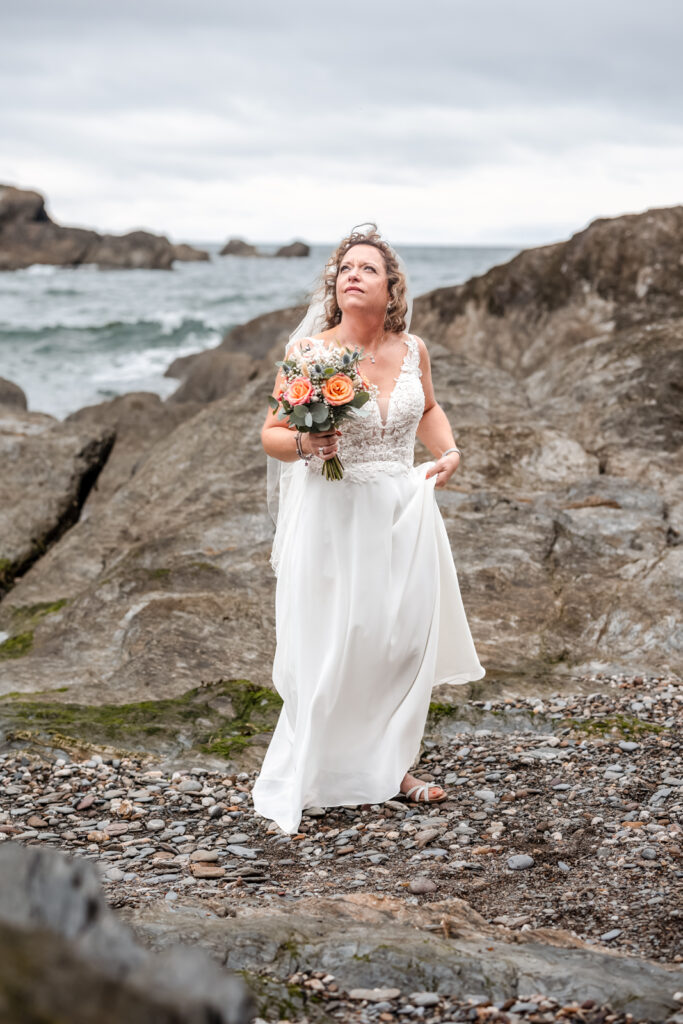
{"x":588,"y":786}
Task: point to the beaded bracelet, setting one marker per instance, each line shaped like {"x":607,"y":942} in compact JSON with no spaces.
{"x":449,"y":450}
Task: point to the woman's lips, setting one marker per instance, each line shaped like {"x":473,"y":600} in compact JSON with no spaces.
{"x":352,"y":289}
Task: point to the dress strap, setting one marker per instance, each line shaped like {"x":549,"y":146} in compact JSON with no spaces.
{"x":413,"y":354}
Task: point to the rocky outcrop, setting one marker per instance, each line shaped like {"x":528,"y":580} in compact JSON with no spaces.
{"x":12,"y":394}
{"x":238,"y":247}
{"x":65,"y":955}
{"x":370,"y":942}
{"x":48,"y":472}
{"x":166,"y":584}
{"x":565,"y":524}
{"x":28,"y":235}
{"x":295,"y":249}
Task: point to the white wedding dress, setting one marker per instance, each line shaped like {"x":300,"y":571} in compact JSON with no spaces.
{"x":369,"y":615}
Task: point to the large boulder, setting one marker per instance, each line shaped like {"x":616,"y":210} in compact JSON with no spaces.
{"x":28,"y":235}
{"x":64,"y":955}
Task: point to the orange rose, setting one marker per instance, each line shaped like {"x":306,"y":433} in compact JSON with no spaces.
{"x":338,"y":390}
{"x":299,"y":391}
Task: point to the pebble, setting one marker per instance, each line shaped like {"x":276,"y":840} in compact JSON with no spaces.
{"x":420,"y":886}
{"x":424,"y":998}
{"x":519,"y":861}
{"x":375,"y":995}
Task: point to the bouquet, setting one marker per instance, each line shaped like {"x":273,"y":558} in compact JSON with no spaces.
{"x":321,"y":393}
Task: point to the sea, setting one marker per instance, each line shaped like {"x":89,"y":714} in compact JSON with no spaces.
{"x":72,"y":337}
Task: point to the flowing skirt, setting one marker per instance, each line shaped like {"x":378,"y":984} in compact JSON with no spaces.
{"x":369,"y":618}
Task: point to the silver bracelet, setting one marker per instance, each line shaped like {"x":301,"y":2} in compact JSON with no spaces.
{"x":299,"y":450}
{"x":449,"y":450}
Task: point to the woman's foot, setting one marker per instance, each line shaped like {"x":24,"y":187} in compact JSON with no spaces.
{"x":428,"y":793}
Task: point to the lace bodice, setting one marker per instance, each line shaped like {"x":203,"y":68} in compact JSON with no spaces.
{"x":372,"y":444}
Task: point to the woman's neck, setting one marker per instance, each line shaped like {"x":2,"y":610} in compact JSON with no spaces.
{"x":362,"y":331}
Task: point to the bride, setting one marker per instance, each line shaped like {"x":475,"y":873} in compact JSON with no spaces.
{"x":369,"y":615}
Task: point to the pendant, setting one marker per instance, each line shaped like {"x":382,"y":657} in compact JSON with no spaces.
{"x":372,"y":359}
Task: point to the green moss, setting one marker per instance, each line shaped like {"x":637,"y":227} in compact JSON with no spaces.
{"x":438,"y":710}
{"x":35,"y":612}
{"x":175,"y":723}
{"x":625,"y":726}
{"x":16,"y":646}
{"x":159,"y":574}
{"x":6,"y":573}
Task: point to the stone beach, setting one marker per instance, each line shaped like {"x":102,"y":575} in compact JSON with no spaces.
{"x":563,"y":825}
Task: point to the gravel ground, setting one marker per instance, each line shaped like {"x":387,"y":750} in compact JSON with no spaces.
{"x":574,"y":825}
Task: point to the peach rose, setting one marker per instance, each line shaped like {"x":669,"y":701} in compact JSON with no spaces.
{"x":299,"y":391}
{"x":338,"y":390}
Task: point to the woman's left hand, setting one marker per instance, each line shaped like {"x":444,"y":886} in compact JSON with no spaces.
{"x":445,"y":467}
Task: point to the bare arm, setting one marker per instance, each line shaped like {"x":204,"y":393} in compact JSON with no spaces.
{"x":434,"y":430}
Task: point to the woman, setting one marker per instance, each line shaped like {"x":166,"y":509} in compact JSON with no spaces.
{"x":368,"y":609}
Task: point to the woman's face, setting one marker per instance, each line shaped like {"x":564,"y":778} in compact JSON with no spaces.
{"x":362,"y":282}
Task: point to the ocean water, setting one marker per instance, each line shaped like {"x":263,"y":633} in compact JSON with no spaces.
{"x":76,"y":337}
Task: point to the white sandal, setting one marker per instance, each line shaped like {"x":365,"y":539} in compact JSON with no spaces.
{"x":422,"y":793}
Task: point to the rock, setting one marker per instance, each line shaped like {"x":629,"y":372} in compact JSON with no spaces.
{"x":375,"y":995}
{"x":421,"y":886}
{"x":610,"y":296}
{"x":157,"y":567}
{"x":369,"y":943}
{"x":608,"y":936}
{"x":200,"y":870}
{"x":294,"y":249}
{"x":204,"y":855}
{"x":424,"y":998}
{"x":247,"y":350}
{"x":189,"y":254}
{"x":63,"y":948}
{"x":28,"y":235}
{"x":12,"y":394}
{"x":48,"y":470}
{"x":238,"y":247}
{"x":520,"y":861}
{"x":138,"y":419}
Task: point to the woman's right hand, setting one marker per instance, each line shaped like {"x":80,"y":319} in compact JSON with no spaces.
{"x":324,"y":445}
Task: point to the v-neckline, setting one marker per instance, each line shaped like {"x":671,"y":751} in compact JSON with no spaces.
{"x":383,"y":423}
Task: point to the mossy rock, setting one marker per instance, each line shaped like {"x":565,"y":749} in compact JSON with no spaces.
{"x":173,"y":725}
{"x":17,"y":645}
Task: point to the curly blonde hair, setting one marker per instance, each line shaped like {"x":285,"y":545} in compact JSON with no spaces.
{"x":397,"y":306}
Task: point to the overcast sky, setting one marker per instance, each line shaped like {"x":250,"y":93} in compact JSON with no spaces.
{"x":445,"y":121}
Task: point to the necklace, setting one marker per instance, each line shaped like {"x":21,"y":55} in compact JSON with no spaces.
{"x":371,"y":357}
